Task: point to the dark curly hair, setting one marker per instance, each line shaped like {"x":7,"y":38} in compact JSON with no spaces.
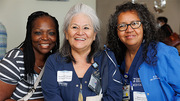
{"x":26,"y":45}
{"x":150,"y":37}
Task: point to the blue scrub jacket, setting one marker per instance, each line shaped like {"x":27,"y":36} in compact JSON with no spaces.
{"x":162,"y":82}
{"x":69,"y":90}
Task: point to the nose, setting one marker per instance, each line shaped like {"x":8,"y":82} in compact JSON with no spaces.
{"x":129,"y":28}
{"x":80,"y":31}
{"x":44,"y":36}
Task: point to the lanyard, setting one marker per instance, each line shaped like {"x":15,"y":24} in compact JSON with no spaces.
{"x":137,"y":61}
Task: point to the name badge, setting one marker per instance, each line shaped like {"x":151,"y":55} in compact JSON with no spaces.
{"x":94,"y":98}
{"x":126,"y":92}
{"x":95,"y":84}
{"x":139,"y":96}
{"x":64,"y":76}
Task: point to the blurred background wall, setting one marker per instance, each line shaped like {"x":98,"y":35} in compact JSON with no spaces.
{"x":14,"y":14}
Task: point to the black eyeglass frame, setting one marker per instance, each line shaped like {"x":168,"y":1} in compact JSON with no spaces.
{"x":128,"y":25}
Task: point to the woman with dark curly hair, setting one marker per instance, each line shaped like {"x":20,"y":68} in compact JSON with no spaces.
{"x":21,"y":66}
{"x":150,"y":68}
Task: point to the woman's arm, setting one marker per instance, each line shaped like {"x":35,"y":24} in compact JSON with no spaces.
{"x":9,"y":74}
{"x":114,"y":89}
{"x":173,"y":72}
{"x":168,"y":69}
{"x":6,"y":90}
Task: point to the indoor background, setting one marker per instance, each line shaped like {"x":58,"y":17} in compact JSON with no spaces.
{"x":14,"y":14}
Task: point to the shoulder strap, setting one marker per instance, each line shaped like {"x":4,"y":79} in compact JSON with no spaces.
{"x":39,"y":78}
{"x":32,"y":90}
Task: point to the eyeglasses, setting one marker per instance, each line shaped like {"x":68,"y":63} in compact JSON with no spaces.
{"x":134,"y":25}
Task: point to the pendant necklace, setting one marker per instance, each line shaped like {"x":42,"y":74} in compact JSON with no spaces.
{"x":38,"y":67}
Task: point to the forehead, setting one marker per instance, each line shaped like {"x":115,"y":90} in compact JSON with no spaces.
{"x":43,"y":19}
{"x":81,"y":18}
{"x":128,"y":16}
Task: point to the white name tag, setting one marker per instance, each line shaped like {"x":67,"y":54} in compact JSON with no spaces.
{"x":64,"y":76}
{"x":94,"y":98}
{"x":139,"y":96}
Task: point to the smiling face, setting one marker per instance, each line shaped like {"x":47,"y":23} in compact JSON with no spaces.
{"x":130,"y":37}
{"x":80,"y":33}
{"x":43,"y":35}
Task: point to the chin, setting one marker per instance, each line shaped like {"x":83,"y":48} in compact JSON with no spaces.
{"x":45,"y":51}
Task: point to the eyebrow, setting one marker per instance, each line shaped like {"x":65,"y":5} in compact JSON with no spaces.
{"x":78,"y":25}
{"x":42,"y":29}
{"x":130,"y":22}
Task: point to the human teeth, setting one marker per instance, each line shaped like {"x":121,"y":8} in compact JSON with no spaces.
{"x":130,"y":36}
{"x":44,"y":44}
{"x":80,"y":39}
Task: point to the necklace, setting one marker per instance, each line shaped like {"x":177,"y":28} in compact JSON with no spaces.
{"x":38,"y":67}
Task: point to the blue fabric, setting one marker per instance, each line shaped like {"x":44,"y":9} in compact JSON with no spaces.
{"x":3,"y":40}
{"x":133,"y":75}
{"x":162,"y":82}
{"x":68,"y":91}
